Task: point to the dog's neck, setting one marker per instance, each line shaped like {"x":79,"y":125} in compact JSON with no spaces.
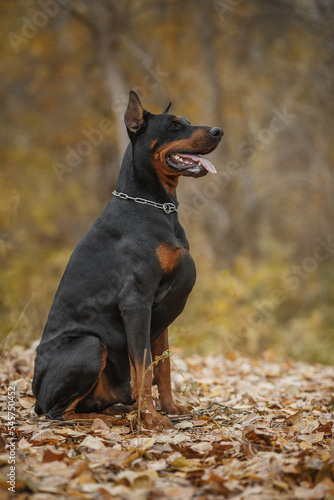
{"x":143,"y":184}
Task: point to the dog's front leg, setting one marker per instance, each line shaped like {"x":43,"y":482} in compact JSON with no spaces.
{"x":137,"y":328}
{"x":162,"y":376}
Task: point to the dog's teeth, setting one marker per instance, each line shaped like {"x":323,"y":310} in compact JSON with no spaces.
{"x":176,"y":157}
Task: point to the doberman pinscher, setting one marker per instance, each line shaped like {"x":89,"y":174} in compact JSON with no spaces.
{"x":126,"y":281}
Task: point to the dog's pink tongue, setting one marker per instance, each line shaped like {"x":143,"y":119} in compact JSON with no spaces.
{"x":203,"y":161}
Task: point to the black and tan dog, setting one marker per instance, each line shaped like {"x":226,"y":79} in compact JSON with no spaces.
{"x":126,"y":281}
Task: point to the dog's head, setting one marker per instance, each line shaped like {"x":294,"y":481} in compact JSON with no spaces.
{"x":170,"y":143}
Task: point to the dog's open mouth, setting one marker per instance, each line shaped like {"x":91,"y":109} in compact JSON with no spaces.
{"x":192,"y":163}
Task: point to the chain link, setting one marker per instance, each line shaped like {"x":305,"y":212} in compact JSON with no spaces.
{"x":168,"y":208}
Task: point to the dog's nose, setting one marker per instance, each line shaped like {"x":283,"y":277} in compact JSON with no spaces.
{"x":216,"y":132}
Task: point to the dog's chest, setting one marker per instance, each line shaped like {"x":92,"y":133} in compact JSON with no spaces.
{"x":179,"y":273}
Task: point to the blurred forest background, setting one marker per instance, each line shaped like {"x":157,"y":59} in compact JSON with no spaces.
{"x":261,"y":231}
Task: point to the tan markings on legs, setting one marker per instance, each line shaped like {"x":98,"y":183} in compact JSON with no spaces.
{"x":141,"y":386}
{"x":92,"y":416}
{"x":168,"y":255}
{"x":102,"y":390}
{"x":162,"y":376}
{"x":70,"y":414}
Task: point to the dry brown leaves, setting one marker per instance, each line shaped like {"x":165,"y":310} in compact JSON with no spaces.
{"x":258,"y":430}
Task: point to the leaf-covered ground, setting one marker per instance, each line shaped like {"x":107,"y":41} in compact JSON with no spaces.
{"x":257,"y":430}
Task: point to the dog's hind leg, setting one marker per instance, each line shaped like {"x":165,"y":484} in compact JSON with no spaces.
{"x":73,"y":371}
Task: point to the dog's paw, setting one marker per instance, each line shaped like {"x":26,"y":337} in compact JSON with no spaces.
{"x":175,"y":409}
{"x":153,"y":420}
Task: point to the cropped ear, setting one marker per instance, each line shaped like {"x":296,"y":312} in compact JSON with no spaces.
{"x":135,"y":114}
{"x":165,"y":111}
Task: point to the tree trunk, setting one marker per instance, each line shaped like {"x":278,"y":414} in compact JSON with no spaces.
{"x":108,"y":20}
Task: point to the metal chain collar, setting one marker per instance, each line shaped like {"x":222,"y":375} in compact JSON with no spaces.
{"x":166,"y":207}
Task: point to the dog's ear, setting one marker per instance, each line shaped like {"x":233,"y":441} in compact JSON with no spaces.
{"x":165,"y":111}
{"x":135,"y":114}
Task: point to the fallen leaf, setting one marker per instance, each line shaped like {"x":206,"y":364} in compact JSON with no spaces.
{"x":310,"y":427}
{"x":42,"y":437}
{"x":23,"y":444}
{"x":27,"y":402}
{"x":281,"y":485}
{"x":312,"y":438}
{"x":52,"y":455}
{"x":257,"y":436}
{"x":142,"y":443}
{"x":203,"y":447}
{"x":92,"y":443}
{"x":316,"y":493}
{"x":117,"y":458}
{"x":271,"y":452}
{"x":326,"y":427}
{"x":137,"y":479}
{"x":121,"y":429}
{"x":158,"y":465}
{"x":99,"y":425}
{"x":295,"y":418}
{"x":305,"y":446}
{"x":184,"y":425}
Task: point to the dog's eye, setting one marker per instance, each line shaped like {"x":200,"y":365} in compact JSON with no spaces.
{"x":175,"y":126}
